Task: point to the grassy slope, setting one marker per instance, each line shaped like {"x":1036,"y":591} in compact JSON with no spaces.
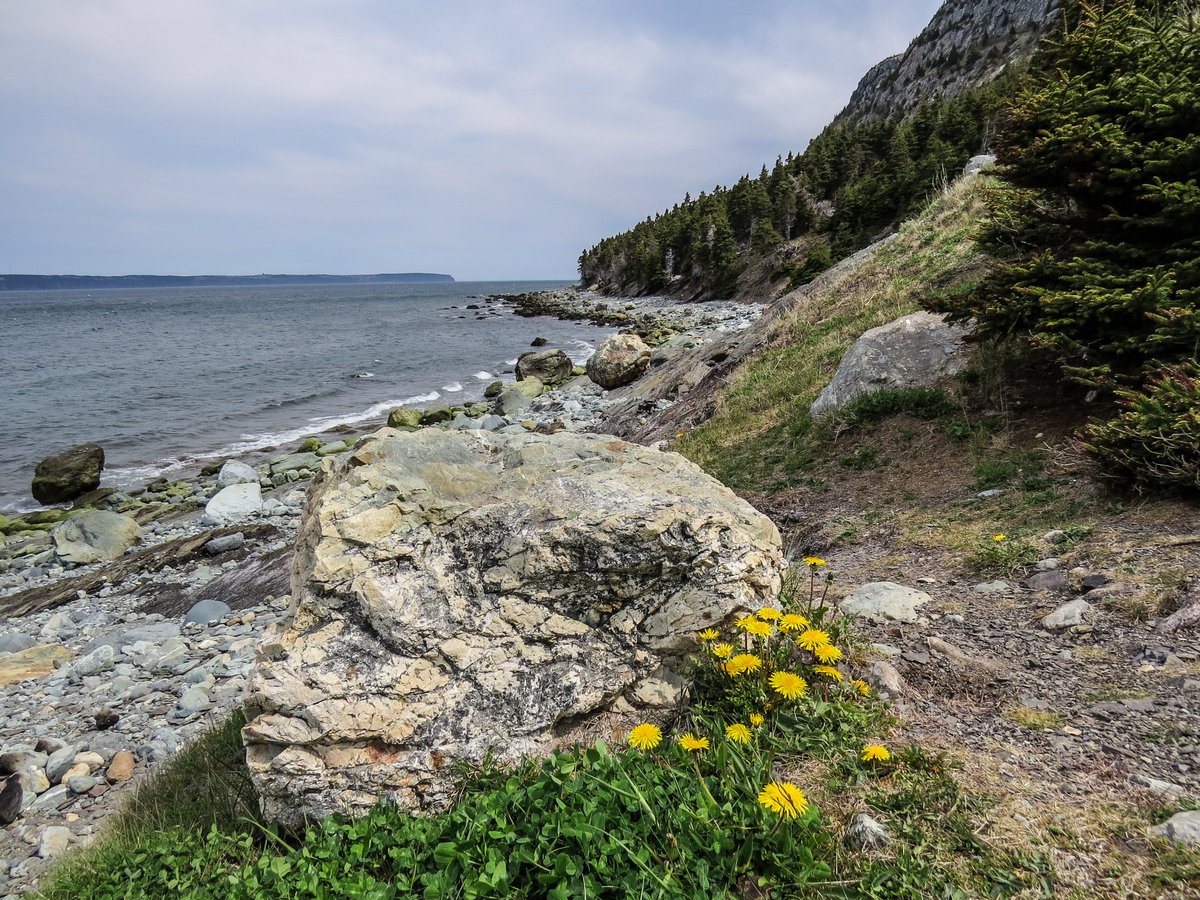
{"x":752,"y":443}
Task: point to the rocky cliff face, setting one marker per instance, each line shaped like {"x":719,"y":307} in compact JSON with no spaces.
{"x":968,"y":42}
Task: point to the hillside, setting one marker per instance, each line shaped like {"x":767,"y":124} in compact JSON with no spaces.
{"x":854,"y":182}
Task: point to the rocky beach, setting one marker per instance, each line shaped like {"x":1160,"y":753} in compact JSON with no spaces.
{"x":132,"y":616}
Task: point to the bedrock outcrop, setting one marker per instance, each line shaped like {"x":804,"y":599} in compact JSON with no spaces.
{"x":460,"y":593}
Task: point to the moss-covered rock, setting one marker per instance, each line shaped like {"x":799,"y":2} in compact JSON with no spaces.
{"x":404,"y":417}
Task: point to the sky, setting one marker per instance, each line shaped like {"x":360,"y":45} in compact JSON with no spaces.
{"x":486,"y":140}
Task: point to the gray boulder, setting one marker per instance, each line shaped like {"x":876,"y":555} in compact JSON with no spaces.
{"x":977,"y":164}
{"x":68,"y":475}
{"x":1182,"y":829}
{"x":463,"y":593}
{"x":404,"y":417}
{"x":885,"y":601}
{"x":235,"y":472}
{"x":234,"y":504}
{"x":547,"y":366}
{"x":620,"y":360}
{"x":913,"y":351}
{"x":206,"y":612}
{"x":15,"y":642}
{"x":95,"y":535}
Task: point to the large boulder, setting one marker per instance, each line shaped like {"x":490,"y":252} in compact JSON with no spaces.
{"x":620,"y":360}
{"x":233,"y":504}
{"x":460,"y":593}
{"x":547,"y":366}
{"x":95,"y":535}
{"x":913,"y":351}
{"x":67,"y":475}
{"x":236,"y":472}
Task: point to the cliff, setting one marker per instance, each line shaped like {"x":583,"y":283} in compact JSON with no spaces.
{"x":966,"y":43}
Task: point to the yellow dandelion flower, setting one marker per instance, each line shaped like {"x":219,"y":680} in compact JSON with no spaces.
{"x":827,"y":653}
{"x":760,"y":629}
{"x":768,"y":614}
{"x":756,"y":719}
{"x":742,"y":663}
{"x":709,"y":634}
{"x":788,"y":685}
{"x":814,"y":561}
{"x":745,"y":621}
{"x":691,"y":743}
{"x":738,"y":733}
{"x":792,"y":622}
{"x":998,"y":538}
{"x":862,"y":687}
{"x":679,"y":434}
{"x":876,"y":753}
{"x":645,"y":737}
{"x":828,"y":672}
{"x":812,"y":639}
{"x":722,"y":650}
{"x":784,"y":798}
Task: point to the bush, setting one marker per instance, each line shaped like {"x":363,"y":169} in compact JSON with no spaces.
{"x":1156,"y":438}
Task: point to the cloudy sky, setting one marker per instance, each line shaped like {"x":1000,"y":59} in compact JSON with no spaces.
{"x":488,"y":140}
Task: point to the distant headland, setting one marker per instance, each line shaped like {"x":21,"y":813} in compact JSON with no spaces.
{"x":93,"y":282}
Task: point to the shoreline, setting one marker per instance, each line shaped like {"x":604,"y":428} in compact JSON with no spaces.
{"x":132,"y":658}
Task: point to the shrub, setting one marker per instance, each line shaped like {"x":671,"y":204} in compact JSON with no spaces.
{"x":1156,"y":437}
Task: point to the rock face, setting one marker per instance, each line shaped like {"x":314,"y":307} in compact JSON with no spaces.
{"x":95,"y":535}
{"x":912,"y":351}
{"x":548,"y":366}
{"x":68,"y":475}
{"x":967,"y":42}
{"x":620,"y":360}
{"x":457,"y":593}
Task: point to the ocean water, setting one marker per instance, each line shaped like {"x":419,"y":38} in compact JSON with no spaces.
{"x":167,"y":379}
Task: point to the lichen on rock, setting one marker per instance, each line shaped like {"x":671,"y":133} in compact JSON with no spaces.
{"x":465,"y":593}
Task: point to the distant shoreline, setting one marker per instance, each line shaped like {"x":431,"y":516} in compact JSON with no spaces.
{"x":104,"y":282}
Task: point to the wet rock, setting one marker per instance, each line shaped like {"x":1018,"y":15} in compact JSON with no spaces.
{"x":69,"y":474}
{"x":548,"y":366}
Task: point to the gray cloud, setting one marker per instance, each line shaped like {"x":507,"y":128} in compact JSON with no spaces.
{"x":482,"y":139}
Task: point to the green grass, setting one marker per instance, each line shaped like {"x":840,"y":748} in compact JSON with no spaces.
{"x":592,"y":822}
{"x":761,"y":437}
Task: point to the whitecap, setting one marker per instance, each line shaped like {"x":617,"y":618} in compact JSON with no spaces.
{"x":452,"y":388}
{"x":363,"y":375}
{"x":483,"y":376}
{"x":511,"y":362}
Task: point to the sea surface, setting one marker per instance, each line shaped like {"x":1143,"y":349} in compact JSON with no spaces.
{"x":166,"y":379}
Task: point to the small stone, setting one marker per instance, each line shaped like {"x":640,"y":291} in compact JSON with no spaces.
{"x":1053,"y":580}
{"x":53,"y":841}
{"x":1091,"y":582}
{"x":81,"y":784}
{"x":1048,"y":565}
{"x":35,"y":780}
{"x":225,"y":543}
{"x":1068,"y":615}
{"x":993,"y":587}
{"x":106,"y":719}
{"x":11,"y":797}
{"x":865,"y":833}
{"x":1057,"y":536}
{"x":1182,"y":829}
{"x":99,"y":660}
{"x":58,"y":763}
{"x":49,"y":745}
{"x":20,"y":760}
{"x":121,"y":767}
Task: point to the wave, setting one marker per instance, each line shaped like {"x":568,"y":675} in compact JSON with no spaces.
{"x":452,"y":388}
{"x":127,"y":476}
{"x":483,"y":376}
